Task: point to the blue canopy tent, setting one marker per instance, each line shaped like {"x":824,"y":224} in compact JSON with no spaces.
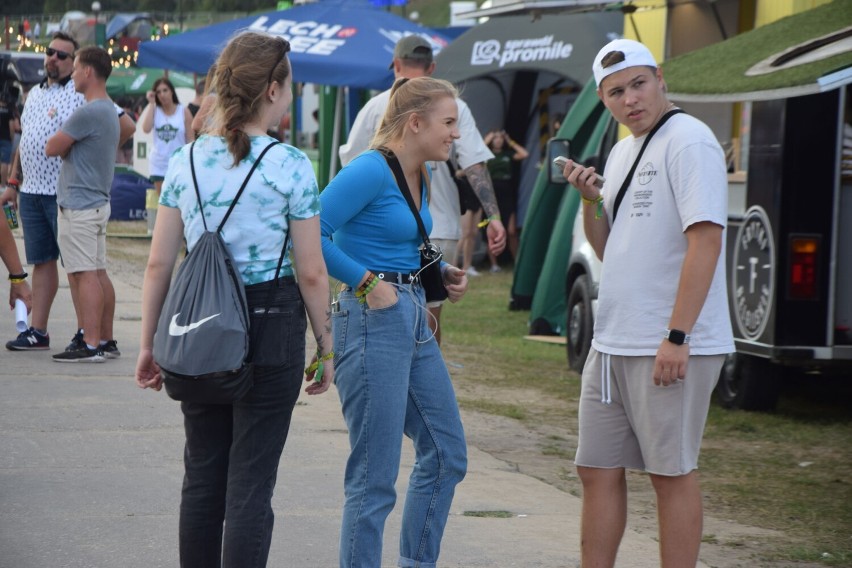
{"x":338,"y":44}
{"x":335,"y":44}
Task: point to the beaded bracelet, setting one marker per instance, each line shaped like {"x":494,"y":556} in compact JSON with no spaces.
{"x":361,"y":294}
{"x":369,"y":280}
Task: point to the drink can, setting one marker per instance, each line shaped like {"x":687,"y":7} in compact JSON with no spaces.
{"x":11,"y":215}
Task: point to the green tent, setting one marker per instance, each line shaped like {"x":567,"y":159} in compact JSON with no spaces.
{"x":133,"y":81}
{"x":545,"y":247}
{"x":802,"y":54}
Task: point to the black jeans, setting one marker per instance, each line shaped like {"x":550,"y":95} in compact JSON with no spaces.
{"x":232,"y":451}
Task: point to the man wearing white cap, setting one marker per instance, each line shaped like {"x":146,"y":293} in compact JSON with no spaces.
{"x":662,"y":327}
{"x":412,"y":57}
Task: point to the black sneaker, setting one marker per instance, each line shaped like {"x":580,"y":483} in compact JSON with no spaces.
{"x":29,"y":340}
{"x":80,"y":355}
{"x":76,"y":341}
{"x":110,"y":349}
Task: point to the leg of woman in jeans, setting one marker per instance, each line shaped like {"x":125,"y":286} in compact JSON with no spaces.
{"x":373,"y":386}
{"x":208,"y":430}
{"x":433,"y":423}
{"x":261,"y":424}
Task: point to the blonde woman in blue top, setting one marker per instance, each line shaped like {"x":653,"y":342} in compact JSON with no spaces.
{"x":232,"y":451}
{"x":391,"y":376}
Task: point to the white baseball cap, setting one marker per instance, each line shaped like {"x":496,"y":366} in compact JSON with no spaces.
{"x":635,"y":54}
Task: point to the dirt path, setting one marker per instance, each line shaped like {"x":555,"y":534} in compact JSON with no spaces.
{"x":543,"y":449}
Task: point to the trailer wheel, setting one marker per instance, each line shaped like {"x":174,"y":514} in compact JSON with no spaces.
{"x":579,"y":325}
{"x":748,"y":383}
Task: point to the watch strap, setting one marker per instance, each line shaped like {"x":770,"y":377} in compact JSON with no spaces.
{"x":677,"y":336}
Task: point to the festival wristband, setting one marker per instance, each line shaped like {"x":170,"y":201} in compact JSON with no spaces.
{"x":484,"y":222}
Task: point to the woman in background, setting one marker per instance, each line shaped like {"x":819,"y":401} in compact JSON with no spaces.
{"x":505,"y":151}
{"x":171,"y":123}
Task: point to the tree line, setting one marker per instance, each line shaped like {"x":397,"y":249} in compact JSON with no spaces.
{"x":32,"y":8}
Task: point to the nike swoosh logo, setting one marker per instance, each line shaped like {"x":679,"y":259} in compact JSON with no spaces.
{"x":177,"y":330}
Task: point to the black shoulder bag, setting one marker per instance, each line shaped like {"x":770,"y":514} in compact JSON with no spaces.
{"x":621,"y":192}
{"x":430,"y":255}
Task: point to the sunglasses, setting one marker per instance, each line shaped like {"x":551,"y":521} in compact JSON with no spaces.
{"x":61,"y":55}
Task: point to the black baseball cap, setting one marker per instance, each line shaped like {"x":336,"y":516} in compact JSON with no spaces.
{"x":413,"y":47}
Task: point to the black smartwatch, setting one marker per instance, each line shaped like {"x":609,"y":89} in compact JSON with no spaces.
{"x":677,"y":336}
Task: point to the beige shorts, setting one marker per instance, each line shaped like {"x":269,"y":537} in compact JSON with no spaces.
{"x":448,"y":246}
{"x":646,"y":427}
{"x":82,"y":238}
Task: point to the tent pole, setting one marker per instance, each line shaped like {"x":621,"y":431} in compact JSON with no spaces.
{"x":335,"y":135}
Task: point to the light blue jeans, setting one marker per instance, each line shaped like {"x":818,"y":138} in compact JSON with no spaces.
{"x":392,"y":380}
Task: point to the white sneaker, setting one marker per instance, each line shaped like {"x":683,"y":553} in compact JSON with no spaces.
{"x":472,"y":272}
{"x":496,"y":268}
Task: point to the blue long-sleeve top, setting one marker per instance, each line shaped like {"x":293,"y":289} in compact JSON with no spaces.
{"x":370,"y":221}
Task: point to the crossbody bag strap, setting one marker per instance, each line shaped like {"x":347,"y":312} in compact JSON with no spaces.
{"x":621,"y":192}
{"x":393,"y":162}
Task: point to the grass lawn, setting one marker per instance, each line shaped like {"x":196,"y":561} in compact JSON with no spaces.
{"x":789,"y":471}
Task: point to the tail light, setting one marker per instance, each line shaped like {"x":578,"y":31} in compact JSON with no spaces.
{"x":804,"y":267}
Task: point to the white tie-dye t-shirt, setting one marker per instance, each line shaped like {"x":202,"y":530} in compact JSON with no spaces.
{"x":283,"y":187}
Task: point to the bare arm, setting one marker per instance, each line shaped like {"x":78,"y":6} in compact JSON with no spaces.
{"x":199,"y":123}
{"x":313,"y":282}
{"x":480,"y":181}
{"x":10,"y":257}
{"x":520,"y":152}
{"x":147,"y":118}
{"x":165,"y":244}
{"x":126,"y":129}
{"x":10,"y":195}
{"x":596,"y":225}
{"x":59,"y":145}
{"x":704,"y":245}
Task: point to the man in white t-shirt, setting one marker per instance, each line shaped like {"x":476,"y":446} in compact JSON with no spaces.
{"x":412,"y":57}
{"x":662,"y":327}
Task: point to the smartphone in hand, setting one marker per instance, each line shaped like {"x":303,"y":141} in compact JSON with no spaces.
{"x":561,"y":161}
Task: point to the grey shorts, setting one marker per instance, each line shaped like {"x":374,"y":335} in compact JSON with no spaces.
{"x":646,"y":427}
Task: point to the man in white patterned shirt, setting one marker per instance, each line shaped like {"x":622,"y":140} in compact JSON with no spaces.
{"x":48,"y":106}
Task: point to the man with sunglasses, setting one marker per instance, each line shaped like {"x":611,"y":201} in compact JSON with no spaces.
{"x":48,"y":106}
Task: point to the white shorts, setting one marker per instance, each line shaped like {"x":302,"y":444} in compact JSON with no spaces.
{"x":646,"y":427}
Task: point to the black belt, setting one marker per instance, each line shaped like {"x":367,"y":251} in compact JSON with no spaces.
{"x":397,"y":277}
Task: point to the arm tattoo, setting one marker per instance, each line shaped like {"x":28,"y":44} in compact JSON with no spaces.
{"x":327,"y":329}
{"x":480,"y":180}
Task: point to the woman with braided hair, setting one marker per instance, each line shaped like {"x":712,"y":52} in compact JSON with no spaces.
{"x":232,"y":450}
